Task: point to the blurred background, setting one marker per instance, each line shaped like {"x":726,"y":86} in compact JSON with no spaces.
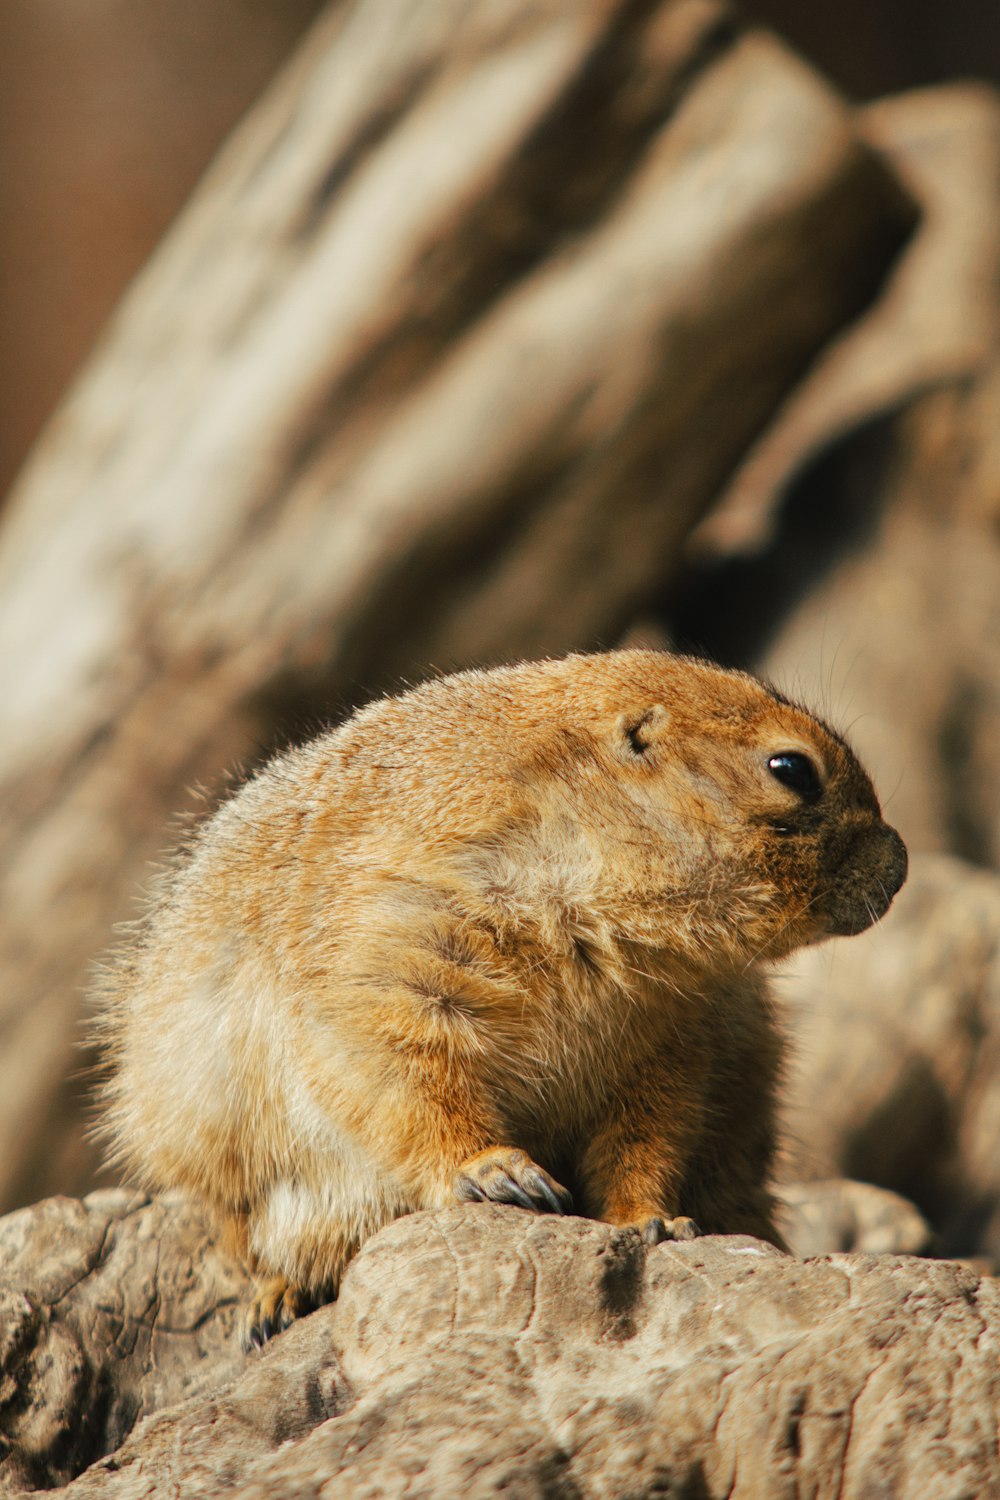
{"x":111,"y":110}
{"x":386,"y":336}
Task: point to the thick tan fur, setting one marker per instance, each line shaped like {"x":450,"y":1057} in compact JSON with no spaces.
{"x":500,"y":936}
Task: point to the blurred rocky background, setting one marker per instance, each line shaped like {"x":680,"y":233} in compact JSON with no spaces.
{"x":495,"y":330}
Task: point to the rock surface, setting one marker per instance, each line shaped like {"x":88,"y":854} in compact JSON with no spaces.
{"x":109,"y":1309}
{"x":483,"y":1350}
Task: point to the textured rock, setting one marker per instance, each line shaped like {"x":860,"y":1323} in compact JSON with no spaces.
{"x":109,"y":1309}
{"x":895,"y":1073}
{"x":483,"y":1349}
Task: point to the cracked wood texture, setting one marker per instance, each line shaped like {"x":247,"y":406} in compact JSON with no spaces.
{"x":462,"y":333}
{"x":483,"y":1350}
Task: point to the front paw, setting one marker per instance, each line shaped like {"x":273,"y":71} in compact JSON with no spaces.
{"x":503,"y":1174}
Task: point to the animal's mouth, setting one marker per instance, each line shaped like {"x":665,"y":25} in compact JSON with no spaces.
{"x":871,"y":873}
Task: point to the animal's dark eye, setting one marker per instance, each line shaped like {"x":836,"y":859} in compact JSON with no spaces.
{"x":797,"y":772}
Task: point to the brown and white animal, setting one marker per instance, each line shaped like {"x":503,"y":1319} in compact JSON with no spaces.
{"x":500,"y":937}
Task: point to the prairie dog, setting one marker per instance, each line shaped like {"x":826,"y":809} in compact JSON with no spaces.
{"x":500,"y":937}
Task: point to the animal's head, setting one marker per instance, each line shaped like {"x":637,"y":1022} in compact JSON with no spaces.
{"x":723,"y":816}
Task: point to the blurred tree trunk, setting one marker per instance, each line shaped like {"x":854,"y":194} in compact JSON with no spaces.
{"x":459,"y":338}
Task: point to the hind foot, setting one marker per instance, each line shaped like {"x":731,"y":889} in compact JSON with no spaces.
{"x":275,"y":1305}
{"x":503,"y":1174}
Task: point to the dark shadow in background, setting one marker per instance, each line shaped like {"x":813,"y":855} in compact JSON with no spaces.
{"x":730,"y":609}
{"x":873,"y":47}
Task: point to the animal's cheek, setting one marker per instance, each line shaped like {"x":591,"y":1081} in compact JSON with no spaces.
{"x":787,"y":868}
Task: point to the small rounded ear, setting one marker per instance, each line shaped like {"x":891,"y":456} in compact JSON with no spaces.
{"x":638,"y":731}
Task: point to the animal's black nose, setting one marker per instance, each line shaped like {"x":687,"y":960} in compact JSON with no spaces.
{"x":871,"y":873}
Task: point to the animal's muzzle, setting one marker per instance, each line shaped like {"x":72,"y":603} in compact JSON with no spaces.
{"x":872,"y":871}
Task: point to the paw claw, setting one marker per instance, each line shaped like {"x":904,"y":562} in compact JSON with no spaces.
{"x":275,"y":1306}
{"x":508,"y":1191}
{"x":504,"y":1174}
{"x":557,"y":1198}
{"x":654,"y":1231}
